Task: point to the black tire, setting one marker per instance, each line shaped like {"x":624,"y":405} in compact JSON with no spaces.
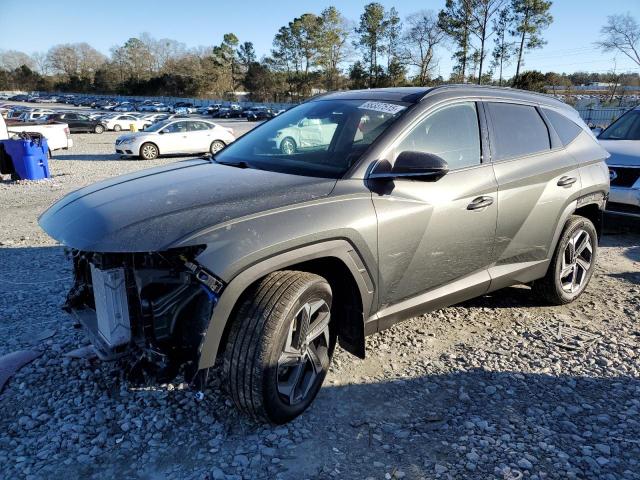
{"x":98,"y":129}
{"x":550,"y":287}
{"x":216,"y":146}
{"x":261,"y":328}
{"x":117,"y":128}
{"x":288,"y":146}
{"x":149,"y":151}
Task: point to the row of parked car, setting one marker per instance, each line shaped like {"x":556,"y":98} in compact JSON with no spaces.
{"x":82,"y":121}
{"x":234,"y":110}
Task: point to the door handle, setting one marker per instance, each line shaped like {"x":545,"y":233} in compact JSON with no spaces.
{"x":480,"y":202}
{"x":566,"y":181}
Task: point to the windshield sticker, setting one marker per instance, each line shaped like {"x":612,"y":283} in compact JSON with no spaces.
{"x":390,"y":108}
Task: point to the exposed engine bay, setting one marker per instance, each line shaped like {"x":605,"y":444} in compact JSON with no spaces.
{"x":151,"y":309}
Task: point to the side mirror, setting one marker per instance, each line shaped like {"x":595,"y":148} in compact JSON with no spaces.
{"x":413,"y":165}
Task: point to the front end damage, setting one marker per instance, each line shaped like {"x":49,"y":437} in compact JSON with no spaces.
{"x":150,"y":309}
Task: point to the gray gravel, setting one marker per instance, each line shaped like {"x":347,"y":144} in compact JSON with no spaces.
{"x":498,"y":387}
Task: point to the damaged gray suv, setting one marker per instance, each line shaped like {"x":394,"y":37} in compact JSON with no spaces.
{"x":330,"y":222}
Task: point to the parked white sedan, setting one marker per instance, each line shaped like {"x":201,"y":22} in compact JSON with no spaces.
{"x":124,"y":122}
{"x":175,"y":136}
{"x":308,"y":134}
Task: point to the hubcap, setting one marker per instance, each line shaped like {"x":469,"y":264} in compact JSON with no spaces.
{"x":148,"y":151}
{"x":216,"y":147}
{"x":305,"y":356}
{"x":576,"y":262}
{"x":287,"y":147}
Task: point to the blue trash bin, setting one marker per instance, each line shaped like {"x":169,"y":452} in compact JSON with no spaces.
{"x":30,"y":157}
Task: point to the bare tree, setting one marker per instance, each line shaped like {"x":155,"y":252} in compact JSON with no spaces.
{"x":75,"y":59}
{"x":621,"y":33}
{"x":422,"y":37}
{"x":41,"y":62}
{"x":12,"y":59}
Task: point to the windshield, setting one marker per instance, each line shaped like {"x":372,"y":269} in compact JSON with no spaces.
{"x":321,"y":138}
{"x":627,"y":127}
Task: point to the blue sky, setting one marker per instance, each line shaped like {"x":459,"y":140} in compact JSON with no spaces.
{"x":200,"y":22}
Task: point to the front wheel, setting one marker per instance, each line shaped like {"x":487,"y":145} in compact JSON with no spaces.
{"x":572,"y":263}
{"x":149,"y":151}
{"x":288,"y":146}
{"x":216,"y":146}
{"x":117,"y":128}
{"x":98,"y":129}
{"x":280,"y":346}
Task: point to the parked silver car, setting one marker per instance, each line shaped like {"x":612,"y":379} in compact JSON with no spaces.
{"x":622,"y":140}
{"x":264,"y":259}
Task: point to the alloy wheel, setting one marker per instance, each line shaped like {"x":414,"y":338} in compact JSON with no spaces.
{"x":304,"y":359}
{"x":576,"y":261}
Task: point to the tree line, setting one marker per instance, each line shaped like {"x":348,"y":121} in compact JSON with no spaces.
{"x":318,"y":52}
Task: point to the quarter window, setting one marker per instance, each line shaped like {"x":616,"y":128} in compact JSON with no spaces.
{"x":565,"y":128}
{"x":517,"y":130}
{"x":452,"y":133}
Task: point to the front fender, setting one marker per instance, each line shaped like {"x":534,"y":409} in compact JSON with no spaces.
{"x":340,"y":249}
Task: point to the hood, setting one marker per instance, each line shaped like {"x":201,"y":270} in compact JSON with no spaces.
{"x":623,"y":152}
{"x":150,"y":210}
{"x":131,"y":135}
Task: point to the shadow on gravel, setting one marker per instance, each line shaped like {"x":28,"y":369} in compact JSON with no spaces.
{"x":631,"y":277}
{"x":510,"y":297}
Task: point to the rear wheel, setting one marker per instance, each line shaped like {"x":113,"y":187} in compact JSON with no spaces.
{"x":149,"y":151}
{"x":572,"y":263}
{"x":117,"y":128}
{"x":216,"y":146}
{"x":98,"y":129}
{"x":280,"y":346}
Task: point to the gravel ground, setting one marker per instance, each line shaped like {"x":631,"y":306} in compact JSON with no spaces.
{"x":498,"y":387}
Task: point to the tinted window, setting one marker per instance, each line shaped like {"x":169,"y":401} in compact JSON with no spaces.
{"x":70,"y":116}
{"x":627,"y":127}
{"x":517,"y":130}
{"x":565,"y":128}
{"x":452,"y":133}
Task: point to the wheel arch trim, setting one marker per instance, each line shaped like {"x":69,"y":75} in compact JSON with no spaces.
{"x":340,"y":249}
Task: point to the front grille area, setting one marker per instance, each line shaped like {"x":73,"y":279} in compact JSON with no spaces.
{"x":623,"y":208}
{"x":623,"y":176}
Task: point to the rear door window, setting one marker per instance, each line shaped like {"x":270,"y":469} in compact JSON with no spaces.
{"x":517,"y":130}
{"x":198,"y":126}
{"x":565,"y":128}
